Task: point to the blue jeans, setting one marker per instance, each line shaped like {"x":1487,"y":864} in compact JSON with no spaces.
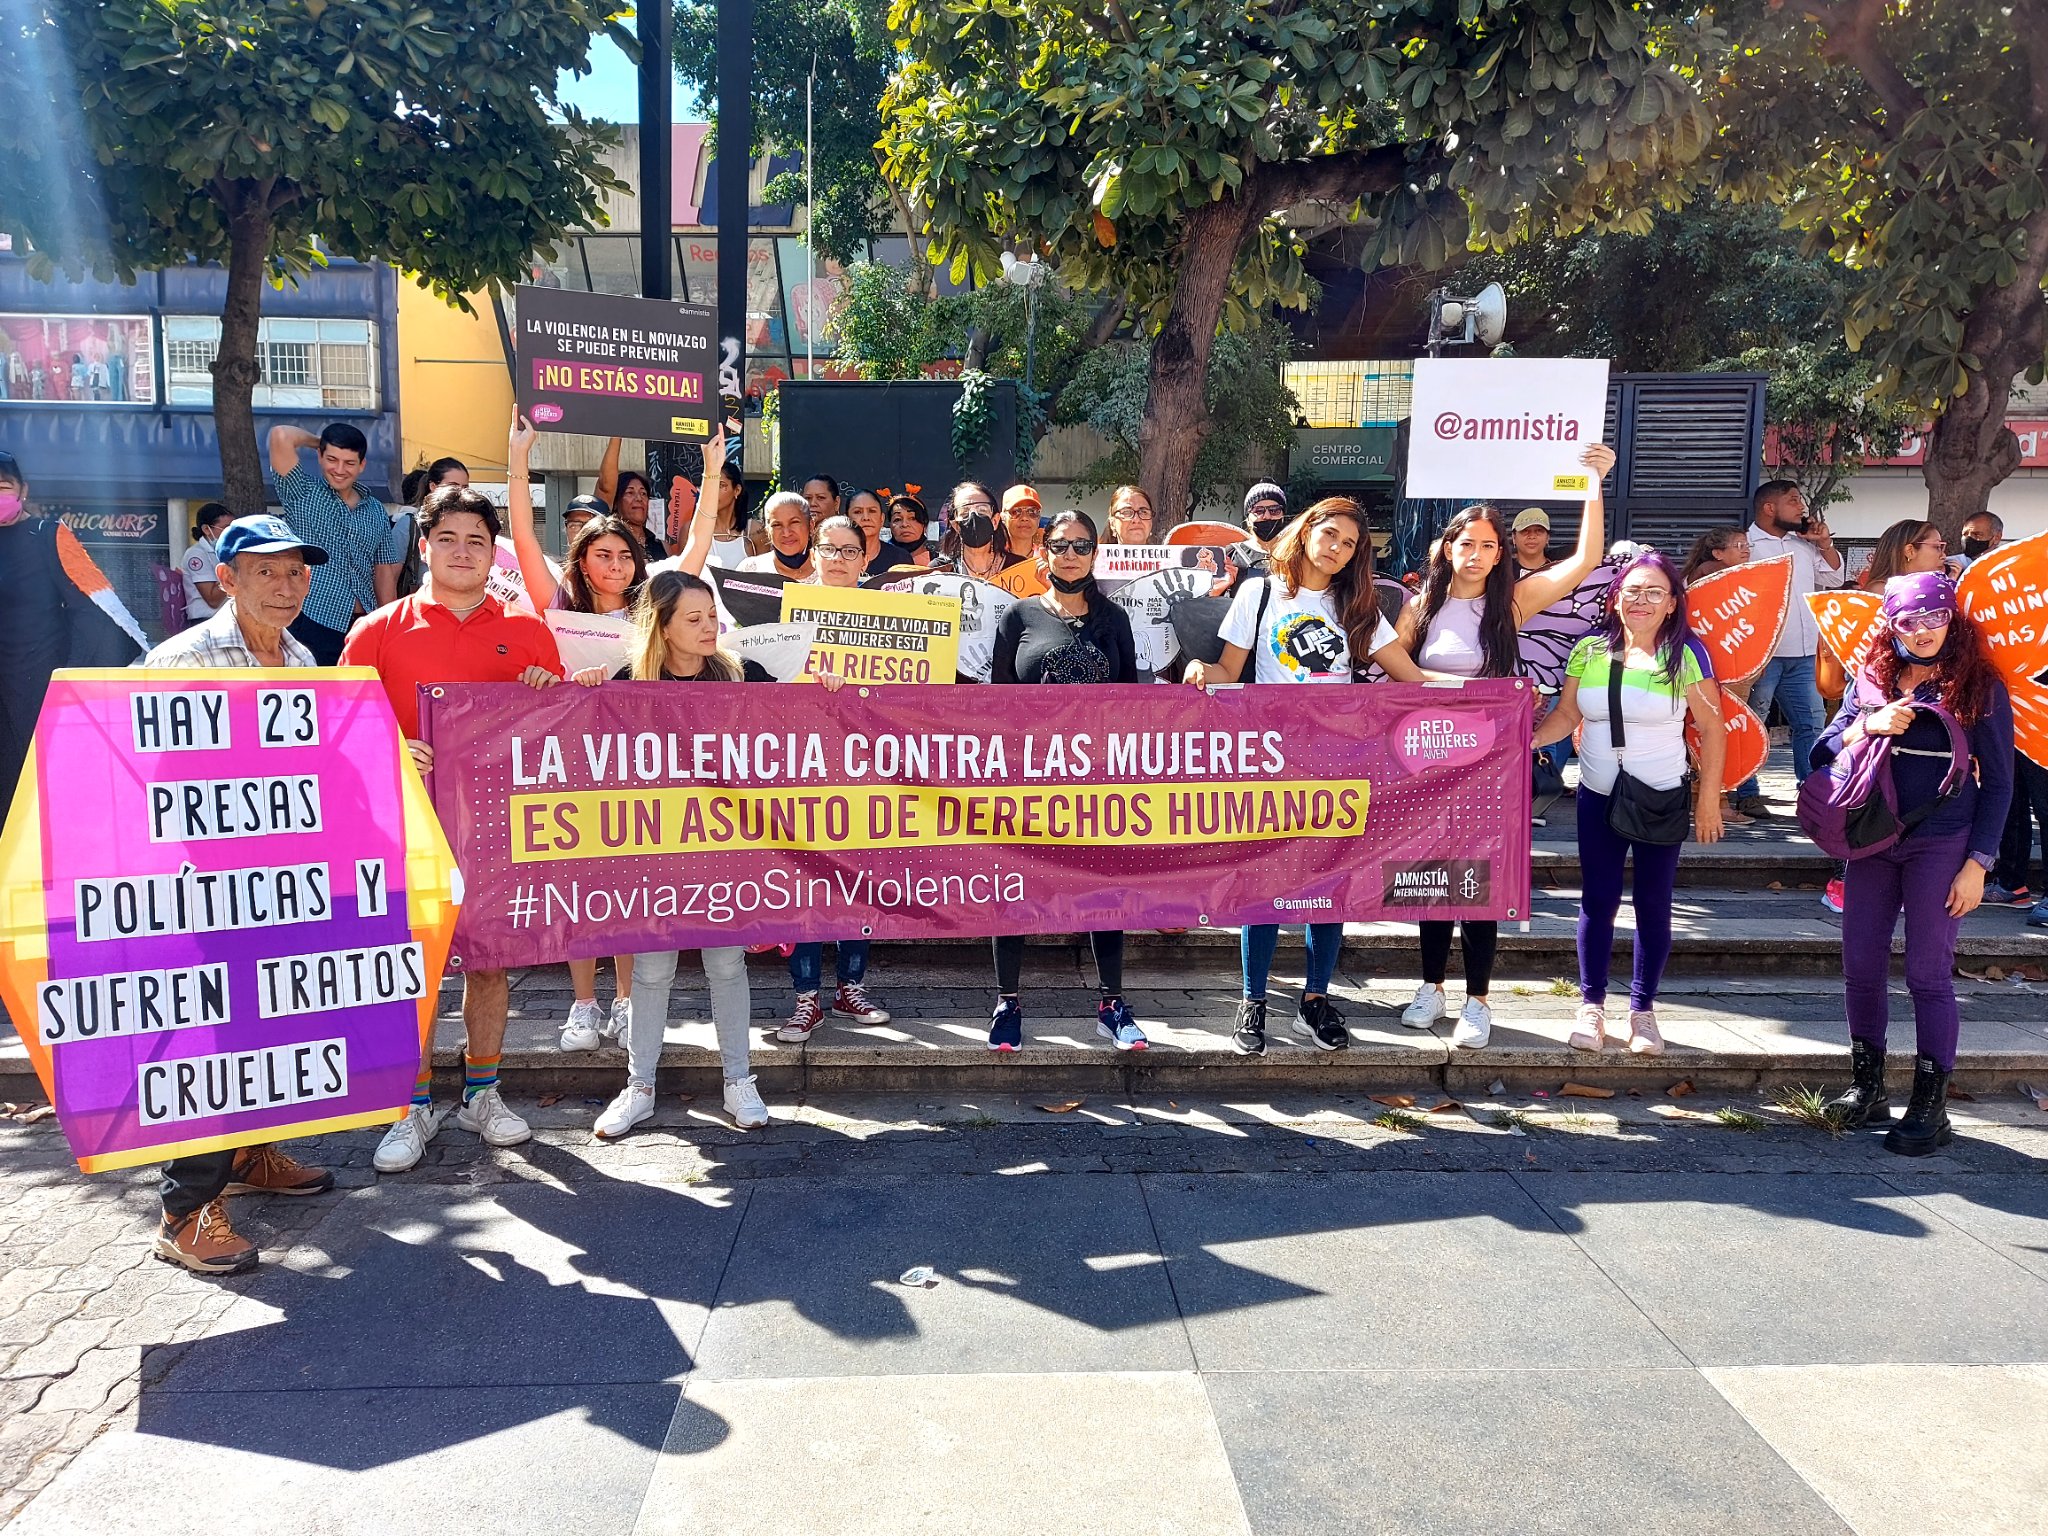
{"x":807,"y":963}
{"x":1789,"y":680}
{"x":1256,"y":943}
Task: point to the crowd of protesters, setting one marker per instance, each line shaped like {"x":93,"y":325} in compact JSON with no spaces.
{"x":339,"y":578}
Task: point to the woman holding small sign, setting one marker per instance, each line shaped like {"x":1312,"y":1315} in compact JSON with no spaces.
{"x":1633,"y":682}
{"x":1463,"y":623}
{"x":1314,"y":619}
{"x":1070,"y":633}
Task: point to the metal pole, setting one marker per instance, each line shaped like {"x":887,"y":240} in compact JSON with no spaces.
{"x":735,"y":163}
{"x":655,"y":22}
{"x":810,"y":245}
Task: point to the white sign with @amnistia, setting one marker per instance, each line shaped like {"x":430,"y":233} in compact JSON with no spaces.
{"x":1504,"y":427}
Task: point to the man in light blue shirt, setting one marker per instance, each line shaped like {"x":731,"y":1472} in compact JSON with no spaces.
{"x":1783,"y":526}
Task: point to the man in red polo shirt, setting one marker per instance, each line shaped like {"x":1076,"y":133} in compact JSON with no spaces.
{"x":454,"y":631}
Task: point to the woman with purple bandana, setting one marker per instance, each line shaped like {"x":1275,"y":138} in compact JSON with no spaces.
{"x":1925,"y":650}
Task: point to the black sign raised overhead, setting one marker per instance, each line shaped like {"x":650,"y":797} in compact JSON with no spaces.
{"x":616,"y":367}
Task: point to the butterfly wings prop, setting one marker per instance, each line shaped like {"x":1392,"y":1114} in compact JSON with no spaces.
{"x":1738,"y":615}
{"x":1547,"y":639}
{"x":2006,"y":594}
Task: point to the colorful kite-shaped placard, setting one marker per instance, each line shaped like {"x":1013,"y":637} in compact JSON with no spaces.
{"x":1738,"y":615}
{"x":225,"y":904}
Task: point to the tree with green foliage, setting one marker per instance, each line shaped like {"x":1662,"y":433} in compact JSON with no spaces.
{"x":848,"y":44}
{"x":1825,"y":416}
{"x":265,"y":134}
{"x":1908,"y":142}
{"x":1152,"y":151}
{"x":1249,"y":409}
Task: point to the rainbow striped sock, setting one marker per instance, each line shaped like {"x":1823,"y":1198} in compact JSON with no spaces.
{"x":478,"y":1073}
{"x":423,"y":1088}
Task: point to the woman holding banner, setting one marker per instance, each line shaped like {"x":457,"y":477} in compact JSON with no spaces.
{"x":1309,"y":621}
{"x":841,"y":557}
{"x":1643,"y":661}
{"x":605,"y":567}
{"x":675,"y":640}
{"x":1071,"y":633}
{"x":1463,"y":623}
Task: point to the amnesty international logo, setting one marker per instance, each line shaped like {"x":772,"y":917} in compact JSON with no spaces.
{"x":1438,"y":883}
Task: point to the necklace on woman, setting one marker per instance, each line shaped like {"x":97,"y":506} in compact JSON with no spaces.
{"x":967,"y":565}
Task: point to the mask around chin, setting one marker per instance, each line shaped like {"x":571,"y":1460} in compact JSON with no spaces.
{"x":1071,"y":587}
{"x":795,"y":562}
{"x":11,"y":508}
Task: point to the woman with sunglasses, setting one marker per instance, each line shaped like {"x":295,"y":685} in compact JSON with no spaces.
{"x":1464,"y":622}
{"x":1070,"y":633}
{"x":1313,"y":619}
{"x":1664,"y":677}
{"x":841,"y":556}
{"x":1926,"y":651}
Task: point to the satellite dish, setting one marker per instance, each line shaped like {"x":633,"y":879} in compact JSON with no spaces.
{"x":1489,"y":314}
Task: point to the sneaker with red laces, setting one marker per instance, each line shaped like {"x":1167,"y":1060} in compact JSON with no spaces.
{"x":1831,"y":898}
{"x":267,"y":1171}
{"x":851,"y":1001}
{"x":205,"y":1242}
{"x":803,"y":1018}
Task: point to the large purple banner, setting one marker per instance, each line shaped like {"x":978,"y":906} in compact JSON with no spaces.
{"x":639,"y":816}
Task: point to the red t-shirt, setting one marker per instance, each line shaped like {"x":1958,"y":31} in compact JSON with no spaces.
{"x":413,"y":641}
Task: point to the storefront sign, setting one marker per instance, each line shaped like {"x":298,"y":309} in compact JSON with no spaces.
{"x":1337,"y":454}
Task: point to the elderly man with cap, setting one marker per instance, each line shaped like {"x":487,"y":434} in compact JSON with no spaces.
{"x":1531,"y":536}
{"x":263,"y":574}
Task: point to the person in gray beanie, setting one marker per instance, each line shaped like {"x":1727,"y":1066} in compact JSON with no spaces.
{"x":1265,"y":514}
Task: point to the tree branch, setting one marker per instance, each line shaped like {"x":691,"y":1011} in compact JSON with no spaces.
{"x":1851,"y":38}
{"x":1351,"y":174}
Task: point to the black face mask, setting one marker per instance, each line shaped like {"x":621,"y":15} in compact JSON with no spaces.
{"x":977,"y":531}
{"x":1266,"y":529}
{"x":1975,"y":547}
{"x":1071,"y":587}
{"x":795,"y":562}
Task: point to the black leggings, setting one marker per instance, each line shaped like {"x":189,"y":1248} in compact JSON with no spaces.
{"x":1109,"y":962}
{"x":1480,"y":939}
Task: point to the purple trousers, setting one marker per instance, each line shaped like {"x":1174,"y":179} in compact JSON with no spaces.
{"x":1913,"y":876}
{"x":1602,"y":855}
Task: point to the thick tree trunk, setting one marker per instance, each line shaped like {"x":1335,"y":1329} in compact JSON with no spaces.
{"x":1176,"y":405}
{"x":235,"y":369}
{"x":1972,"y":449}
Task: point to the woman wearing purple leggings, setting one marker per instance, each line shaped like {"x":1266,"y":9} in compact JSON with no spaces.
{"x":1663,"y":677}
{"x":1924,"y":650}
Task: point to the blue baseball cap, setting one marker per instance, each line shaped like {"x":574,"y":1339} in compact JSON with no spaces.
{"x":264,"y":535}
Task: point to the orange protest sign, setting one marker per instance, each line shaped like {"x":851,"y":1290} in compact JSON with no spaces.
{"x":1738,"y":614}
{"x":2006,"y":593}
{"x":1846,"y":620}
{"x":1748,"y":742}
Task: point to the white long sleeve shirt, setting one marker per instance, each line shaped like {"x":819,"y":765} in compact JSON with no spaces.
{"x":1810,"y":573}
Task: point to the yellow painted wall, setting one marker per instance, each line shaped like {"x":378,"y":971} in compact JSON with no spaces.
{"x":454,"y":391}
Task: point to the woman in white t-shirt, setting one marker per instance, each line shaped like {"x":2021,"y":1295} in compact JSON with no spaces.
{"x":202,"y":592}
{"x":1312,"y":619}
{"x":1665,"y":676}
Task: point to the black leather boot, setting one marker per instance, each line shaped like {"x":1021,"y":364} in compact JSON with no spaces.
{"x":1866,"y":1099}
{"x":1925,"y":1128}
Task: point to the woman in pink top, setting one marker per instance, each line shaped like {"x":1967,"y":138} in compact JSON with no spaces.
{"x":1464,"y":622}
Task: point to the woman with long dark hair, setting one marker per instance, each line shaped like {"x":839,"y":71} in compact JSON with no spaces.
{"x":1927,"y":651}
{"x":1312,"y":619}
{"x":1906,"y":548}
{"x":1718,"y":549}
{"x":1664,"y":677}
{"x":1070,"y":633}
{"x":973,"y":543}
{"x":1464,"y":622}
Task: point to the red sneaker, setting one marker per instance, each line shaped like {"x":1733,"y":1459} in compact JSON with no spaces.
{"x":1831,"y":898}
{"x":803,"y":1018}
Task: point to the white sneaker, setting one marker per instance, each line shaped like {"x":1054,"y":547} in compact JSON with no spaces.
{"x":1427,"y":1008}
{"x":743,"y":1103}
{"x":487,"y":1115}
{"x":1475,"y":1026}
{"x":580,"y":1029}
{"x":620,"y":1024}
{"x":406,"y":1142}
{"x":634,"y":1104}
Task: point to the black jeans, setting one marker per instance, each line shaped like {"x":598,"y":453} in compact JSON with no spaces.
{"x":2026,"y":821}
{"x":324,"y":643}
{"x":1109,"y":962}
{"x":190,"y":1182}
{"x":1479,"y":940}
